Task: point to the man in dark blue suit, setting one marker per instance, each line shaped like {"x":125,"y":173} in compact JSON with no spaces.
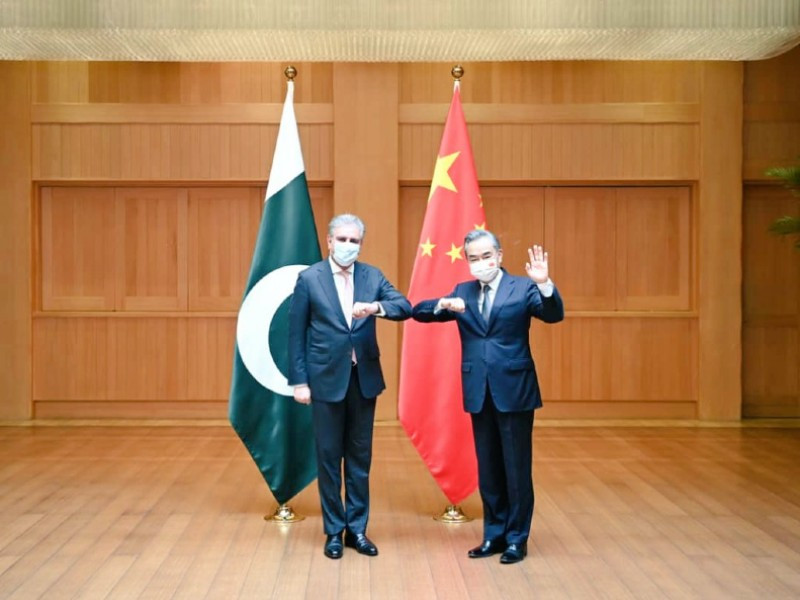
{"x":334,"y":365}
{"x":499,"y":381}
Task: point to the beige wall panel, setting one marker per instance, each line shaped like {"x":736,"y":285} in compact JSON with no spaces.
{"x":553,"y":82}
{"x":622,"y":359}
{"x":151,"y":248}
{"x":653,"y":248}
{"x":150,"y":152}
{"x":579,"y":226}
{"x":110,"y":358}
{"x":562,"y":152}
{"x":16,"y":240}
{"x":719,"y":241}
{"x":223,"y":223}
{"x":78,"y":237}
{"x":771,"y":379}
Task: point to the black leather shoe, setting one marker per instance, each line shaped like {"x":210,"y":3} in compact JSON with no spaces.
{"x":333,"y":546}
{"x":514,"y":553}
{"x":361,"y":543}
{"x":487,"y":548}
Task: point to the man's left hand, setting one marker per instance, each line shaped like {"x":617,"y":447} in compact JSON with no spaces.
{"x":536,"y":267}
{"x":364,"y":309}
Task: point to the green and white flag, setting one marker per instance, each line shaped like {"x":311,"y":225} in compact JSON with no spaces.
{"x":275,"y":429}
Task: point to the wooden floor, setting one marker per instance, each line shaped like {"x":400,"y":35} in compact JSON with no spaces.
{"x":621,"y":512}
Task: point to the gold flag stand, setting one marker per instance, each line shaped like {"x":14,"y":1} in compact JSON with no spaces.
{"x":284,"y":514}
{"x":453,"y":515}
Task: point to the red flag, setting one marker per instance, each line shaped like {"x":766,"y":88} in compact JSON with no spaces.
{"x":430,"y":406}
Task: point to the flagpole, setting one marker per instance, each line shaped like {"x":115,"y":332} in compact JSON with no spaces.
{"x":285,"y":513}
{"x":453,"y":513}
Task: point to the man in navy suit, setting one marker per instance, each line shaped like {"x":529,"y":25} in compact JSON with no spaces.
{"x":499,"y":381}
{"x":334,"y":365}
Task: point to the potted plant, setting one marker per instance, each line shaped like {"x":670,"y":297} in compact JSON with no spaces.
{"x":787,"y":225}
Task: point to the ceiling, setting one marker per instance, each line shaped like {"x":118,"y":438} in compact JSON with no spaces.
{"x":397,"y":30}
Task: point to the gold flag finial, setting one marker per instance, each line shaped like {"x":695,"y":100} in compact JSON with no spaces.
{"x":290,"y":73}
{"x":457,"y":72}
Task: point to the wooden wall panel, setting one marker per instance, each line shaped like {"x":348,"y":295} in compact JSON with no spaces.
{"x":559,"y":82}
{"x":562,"y":152}
{"x":223,"y":224}
{"x":177,"y":83}
{"x":719,"y":221}
{"x":365,"y":183}
{"x":172,"y":152}
{"x":16,"y":241}
{"x":628,"y":359}
{"x":771,"y":114}
{"x":110,"y":359}
{"x":579,"y":232}
{"x":78,"y":270}
{"x":152,"y":248}
{"x":771,"y":305}
{"x":653,"y":248}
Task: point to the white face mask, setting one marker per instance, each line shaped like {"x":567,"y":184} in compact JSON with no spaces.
{"x":345,"y":253}
{"x":485,"y":270}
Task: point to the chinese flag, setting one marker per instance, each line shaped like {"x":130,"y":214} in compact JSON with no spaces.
{"x":430,"y":406}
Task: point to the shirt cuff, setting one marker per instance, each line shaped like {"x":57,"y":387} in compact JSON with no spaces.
{"x":438,"y":308}
{"x":546,"y":288}
{"x":381,"y":312}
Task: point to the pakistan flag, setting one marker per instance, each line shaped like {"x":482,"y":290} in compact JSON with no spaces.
{"x":276,"y":430}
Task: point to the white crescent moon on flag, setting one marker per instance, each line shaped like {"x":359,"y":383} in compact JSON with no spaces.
{"x":252,"y":327}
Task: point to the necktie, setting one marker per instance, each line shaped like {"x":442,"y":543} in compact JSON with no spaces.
{"x":486,"y":309}
{"x":347,"y":297}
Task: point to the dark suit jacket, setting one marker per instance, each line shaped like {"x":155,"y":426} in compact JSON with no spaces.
{"x":498,"y":353}
{"x":320,"y":342}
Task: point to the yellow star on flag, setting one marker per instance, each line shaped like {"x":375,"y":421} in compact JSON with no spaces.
{"x":441,"y":177}
{"x":481,"y":226}
{"x":427,"y":248}
{"x":455,"y":253}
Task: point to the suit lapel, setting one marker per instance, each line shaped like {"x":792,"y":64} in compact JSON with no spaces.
{"x":503,"y":292}
{"x":473,"y":294}
{"x":325,"y":277}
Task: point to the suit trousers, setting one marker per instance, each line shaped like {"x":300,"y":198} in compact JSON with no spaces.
{"x":343,"y":432}
{"x":504,"y":446}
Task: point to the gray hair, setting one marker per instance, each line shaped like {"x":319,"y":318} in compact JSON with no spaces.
{"x":346,"y":219}
{"x":476,"y":234}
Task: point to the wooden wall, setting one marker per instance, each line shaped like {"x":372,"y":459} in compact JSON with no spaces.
{"x":771,"y":291}
{"x":143,"y":189}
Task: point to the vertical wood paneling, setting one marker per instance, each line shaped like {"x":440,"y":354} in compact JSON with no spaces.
{"x":579,"y":231}
{"x":771,"y":305}
{"x":720,"y":242}
{"x":78,"y":269}
{"x":653,"y":249}
{"x":16,"y":240}
{"x":152,"y":248}
{"x":365,"y":182}
{"x":223,"y":223}
{"x":111,"y":359}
